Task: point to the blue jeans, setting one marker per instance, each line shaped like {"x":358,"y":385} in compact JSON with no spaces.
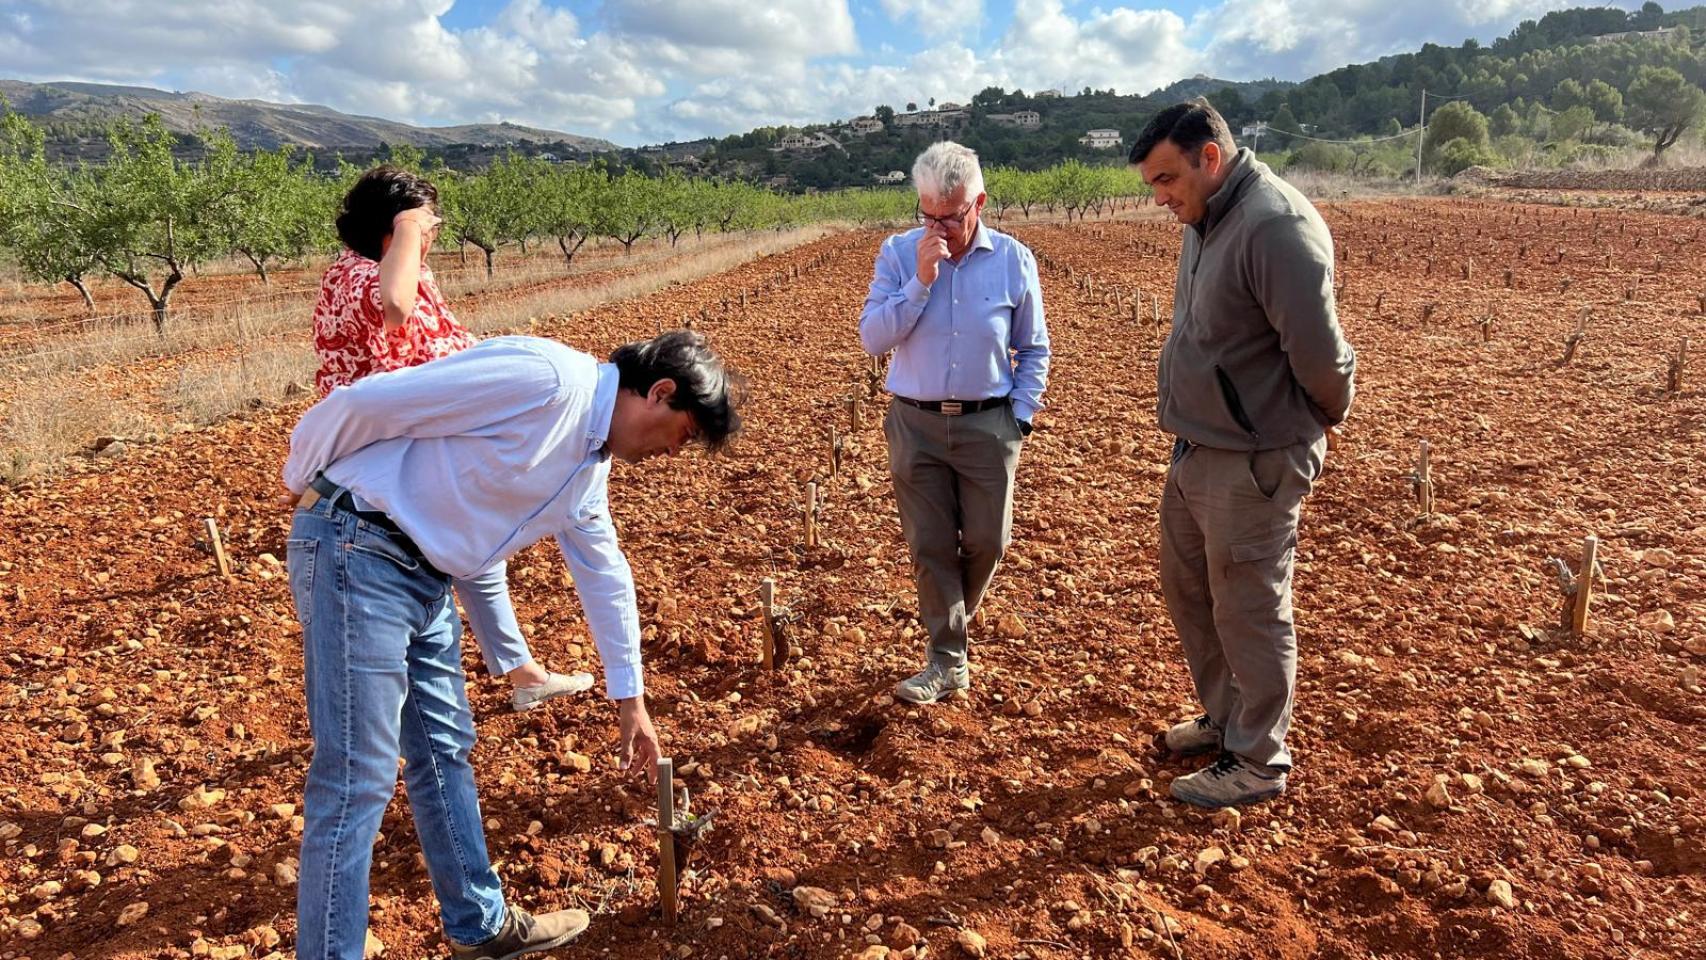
{"x":382,"y":657}
{"x":485,"y":599}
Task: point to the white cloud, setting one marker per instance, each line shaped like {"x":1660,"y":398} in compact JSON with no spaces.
{"x":937,"y":18}
{"x":649,"y":70}
{"x":712,"y":36}
{"x":1297,"y":39}
{"x":1132,"y":51}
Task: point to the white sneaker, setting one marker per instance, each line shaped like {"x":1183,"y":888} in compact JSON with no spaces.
{"x":555,"y":685}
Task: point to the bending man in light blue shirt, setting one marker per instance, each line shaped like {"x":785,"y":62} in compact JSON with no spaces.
{"x":961,"y":307}
{"x":409,"y":479}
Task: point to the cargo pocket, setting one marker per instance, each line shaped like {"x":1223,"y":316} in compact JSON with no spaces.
{"x":1258,"y":578}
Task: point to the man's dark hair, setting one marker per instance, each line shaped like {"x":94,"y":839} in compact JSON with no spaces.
{"x":374,"y":201}
{"x":1189,"y":125}
{"x":704,"y":388}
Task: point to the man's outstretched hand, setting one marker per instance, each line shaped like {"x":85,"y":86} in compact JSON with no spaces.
{"x":638,"y":750}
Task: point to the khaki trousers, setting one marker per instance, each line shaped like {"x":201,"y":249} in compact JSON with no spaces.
{"x":1228,"y":541}
{"x":953,"y":482}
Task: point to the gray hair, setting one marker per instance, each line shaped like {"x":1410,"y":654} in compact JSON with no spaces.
{"x":945,"y":168}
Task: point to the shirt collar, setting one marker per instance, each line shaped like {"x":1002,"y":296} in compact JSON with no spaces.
{"x":603,"y":409}
{"x":1242,"y":169}
{"x":981,"y":240}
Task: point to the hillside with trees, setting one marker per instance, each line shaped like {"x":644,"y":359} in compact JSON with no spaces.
{"x":1579,"y":86}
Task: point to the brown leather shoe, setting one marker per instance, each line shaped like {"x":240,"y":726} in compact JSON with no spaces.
{"x":523,"y":933}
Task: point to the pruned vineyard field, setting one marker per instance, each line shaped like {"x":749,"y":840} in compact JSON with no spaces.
{"x":1472,"y":781}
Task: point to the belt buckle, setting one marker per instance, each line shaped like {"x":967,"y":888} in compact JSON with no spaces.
{"x":953,"y":408}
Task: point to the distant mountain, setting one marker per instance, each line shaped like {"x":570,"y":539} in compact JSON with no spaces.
{"x":1203,"y":85}
{"x":70,"y":106}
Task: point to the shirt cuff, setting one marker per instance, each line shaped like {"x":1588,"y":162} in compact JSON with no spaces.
{"x":622,"y":683}
{"x":916,"y":292}
{"x":1024,"y":411}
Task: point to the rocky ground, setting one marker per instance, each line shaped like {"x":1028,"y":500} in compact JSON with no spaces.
{"x":1472,"y":779}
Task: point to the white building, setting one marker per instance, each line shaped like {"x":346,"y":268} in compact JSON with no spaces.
{"x":891,"y":178}
{"x":930,"y":118}
{"x":1100,"y":139}
{"x":863,"y":126}
{"x":805,"y":141}
{"x":1047,"y":94}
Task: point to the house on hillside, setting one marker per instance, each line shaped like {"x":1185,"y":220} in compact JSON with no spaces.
{"x":1023,"y":119}
{"x":804,"y":141}
{"x":1100,"y":139}
{"x":931,"y":118}
{"x":865,"y":126}
{"x":891,"y":178}
{"x":1047,"y":95}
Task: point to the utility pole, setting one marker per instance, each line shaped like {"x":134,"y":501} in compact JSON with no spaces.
{"x":1421,"y":135}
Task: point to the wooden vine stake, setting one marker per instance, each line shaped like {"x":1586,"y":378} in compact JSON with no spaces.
{"x":1486,"y":324}
{"x":1424,"y":482}
{"x":767,"y":601}
{"x":1678,"y":367}
{"x":218,"y":549}
{"x":834,"y":452}
{"x":1584,"y":586}
{"x":853,"y":414}
{"x":1574,"y":340}
{"x":811,"y":514}
{"x":667,"y":884}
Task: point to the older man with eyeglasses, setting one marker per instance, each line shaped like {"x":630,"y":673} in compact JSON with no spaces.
{"x":961,"y":307}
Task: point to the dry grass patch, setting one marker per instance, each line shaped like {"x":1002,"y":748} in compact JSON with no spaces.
{"x":57,"y":418}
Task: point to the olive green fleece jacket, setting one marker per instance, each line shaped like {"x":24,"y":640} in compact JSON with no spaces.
{"x":1256,"y":359}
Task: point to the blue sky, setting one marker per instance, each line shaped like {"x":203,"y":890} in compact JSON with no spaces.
{"x":645,"y":71}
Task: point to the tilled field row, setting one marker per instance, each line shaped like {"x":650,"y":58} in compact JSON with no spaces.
{"x":1471,"y":781}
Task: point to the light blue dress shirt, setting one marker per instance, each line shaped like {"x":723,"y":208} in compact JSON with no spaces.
{"x":482,"y":453}
{"x":977,"y":332}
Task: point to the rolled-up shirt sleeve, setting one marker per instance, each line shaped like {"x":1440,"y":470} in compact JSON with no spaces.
{"x":894,"y":303}
{"x":605,"y":584}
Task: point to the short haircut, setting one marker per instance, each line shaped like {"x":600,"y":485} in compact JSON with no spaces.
{"x":1189,"y":125}
{"x":705,"y":388}
{"x":364,"y":221}
{"x":944,"y":168}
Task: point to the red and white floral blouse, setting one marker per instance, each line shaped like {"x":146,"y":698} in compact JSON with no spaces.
{"x":349,"y":325}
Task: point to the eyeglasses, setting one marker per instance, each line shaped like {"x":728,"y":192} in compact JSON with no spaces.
{"x":955,"y":219}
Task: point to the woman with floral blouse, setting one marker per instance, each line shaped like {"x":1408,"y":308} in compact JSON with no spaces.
{"x":380,"y":309}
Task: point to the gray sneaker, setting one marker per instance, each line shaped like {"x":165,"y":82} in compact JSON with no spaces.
{"x":934,"y":683}
{"x":523,"y":933}
{"x":1231,"y":781}
{"x":1192,"y":737}
{"x":555,"y":685}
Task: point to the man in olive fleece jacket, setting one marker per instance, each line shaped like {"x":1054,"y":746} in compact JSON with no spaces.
{"x":1252,"y":378}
